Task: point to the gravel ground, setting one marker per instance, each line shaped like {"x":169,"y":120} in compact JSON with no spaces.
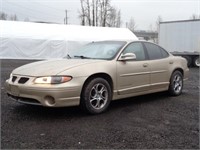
{"x":150,"y":121}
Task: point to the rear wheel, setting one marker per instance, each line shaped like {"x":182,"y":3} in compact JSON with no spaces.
{"x":96,"y":96}
{"x":176,"y":83}
{"x":196,"y":62}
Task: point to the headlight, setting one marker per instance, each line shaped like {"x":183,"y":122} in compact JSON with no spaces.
{"x":52,"y":80}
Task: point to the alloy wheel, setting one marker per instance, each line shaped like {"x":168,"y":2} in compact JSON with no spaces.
{"x":178,"y":83}
{"x":98,"y":96}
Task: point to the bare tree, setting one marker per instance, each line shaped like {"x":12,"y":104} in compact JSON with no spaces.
{"x":114,"y":18}
{"x":96,"y":12}
{"x":131,"y":24}
{"x":111,"y":20}
{"x":82,"y":13}
{"x":13,"y":17}
{"x":93,"y":13}
{"x":119,"y":21}
{"x":195,"y":16}
{"x":106,"y":4}
{"x":99,"y":13}
{"x":88,"y":12}
{"x":3,"y":16}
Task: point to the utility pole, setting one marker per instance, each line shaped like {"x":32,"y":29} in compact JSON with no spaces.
{"x":66,"y":18}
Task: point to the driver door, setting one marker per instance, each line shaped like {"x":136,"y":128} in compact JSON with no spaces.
{"x":133,"y":75}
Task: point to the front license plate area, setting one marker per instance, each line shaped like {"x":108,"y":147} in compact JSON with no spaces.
{"x":14,"y":90}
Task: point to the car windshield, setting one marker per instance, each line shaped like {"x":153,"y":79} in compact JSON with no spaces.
{"x":99,"y":50}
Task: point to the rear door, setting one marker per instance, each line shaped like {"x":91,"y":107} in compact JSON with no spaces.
{"x":158,"y":65}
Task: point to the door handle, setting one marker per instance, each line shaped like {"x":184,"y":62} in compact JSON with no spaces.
{"x":171,"y":62}
{"x":145,"y":65}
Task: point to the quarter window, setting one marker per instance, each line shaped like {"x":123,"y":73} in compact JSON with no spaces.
{"x":137,"y":49}
{"x":164,"y":53}
{"x":155,"y":52}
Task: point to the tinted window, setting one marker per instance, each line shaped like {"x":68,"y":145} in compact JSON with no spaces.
{"x":164,"y":53}
{"x":155,"y":52}
{"x":137,"y":49}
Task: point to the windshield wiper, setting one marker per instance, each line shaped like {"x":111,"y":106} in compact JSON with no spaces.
{"x":82,"y":57}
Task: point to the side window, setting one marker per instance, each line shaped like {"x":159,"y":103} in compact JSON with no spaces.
{"x":164,"y":53}
{"x":155,"y":52}
{"x":137,"y":49}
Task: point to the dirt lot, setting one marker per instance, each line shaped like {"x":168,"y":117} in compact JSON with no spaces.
{"x":151,"y":121}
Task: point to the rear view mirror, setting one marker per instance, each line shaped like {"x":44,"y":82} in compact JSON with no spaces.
{"x":127,"y":56}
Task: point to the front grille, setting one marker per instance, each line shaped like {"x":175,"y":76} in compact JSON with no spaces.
{"x":14,"y":78}
{"x":23,"y":80}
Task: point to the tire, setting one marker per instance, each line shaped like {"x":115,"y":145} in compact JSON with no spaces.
{"x":189,"y":60}
{"x":196,"y":62}
{"x":176,"y":83}
{"x":96,"y":96}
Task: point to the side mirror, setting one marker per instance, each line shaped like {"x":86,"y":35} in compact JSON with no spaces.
{"x":127,"y":56}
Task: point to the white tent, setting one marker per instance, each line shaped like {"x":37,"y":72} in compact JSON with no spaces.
{"x":26,"y":40}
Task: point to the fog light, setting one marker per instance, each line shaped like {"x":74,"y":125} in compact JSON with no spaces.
{"x":49,"y":100}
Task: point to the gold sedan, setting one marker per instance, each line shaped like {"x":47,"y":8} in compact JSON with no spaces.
{"x":98,"y":73}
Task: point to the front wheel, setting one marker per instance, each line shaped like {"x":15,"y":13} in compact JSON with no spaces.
{"x":96,"y":96}
{"x":176,"y":83}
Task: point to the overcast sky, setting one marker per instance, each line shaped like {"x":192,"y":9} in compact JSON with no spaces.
{"x":144,"y":12}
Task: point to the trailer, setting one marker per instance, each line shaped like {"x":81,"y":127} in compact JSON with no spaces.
{"x":181,"y":38}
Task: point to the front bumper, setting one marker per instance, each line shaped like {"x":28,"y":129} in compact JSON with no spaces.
{"x":59,"y":95}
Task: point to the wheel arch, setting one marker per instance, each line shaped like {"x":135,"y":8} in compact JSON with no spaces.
{"x":105,"y":76}
{"x":177,"y":69}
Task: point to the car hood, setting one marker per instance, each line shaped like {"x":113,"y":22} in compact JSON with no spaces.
{"x":51,"y":67}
